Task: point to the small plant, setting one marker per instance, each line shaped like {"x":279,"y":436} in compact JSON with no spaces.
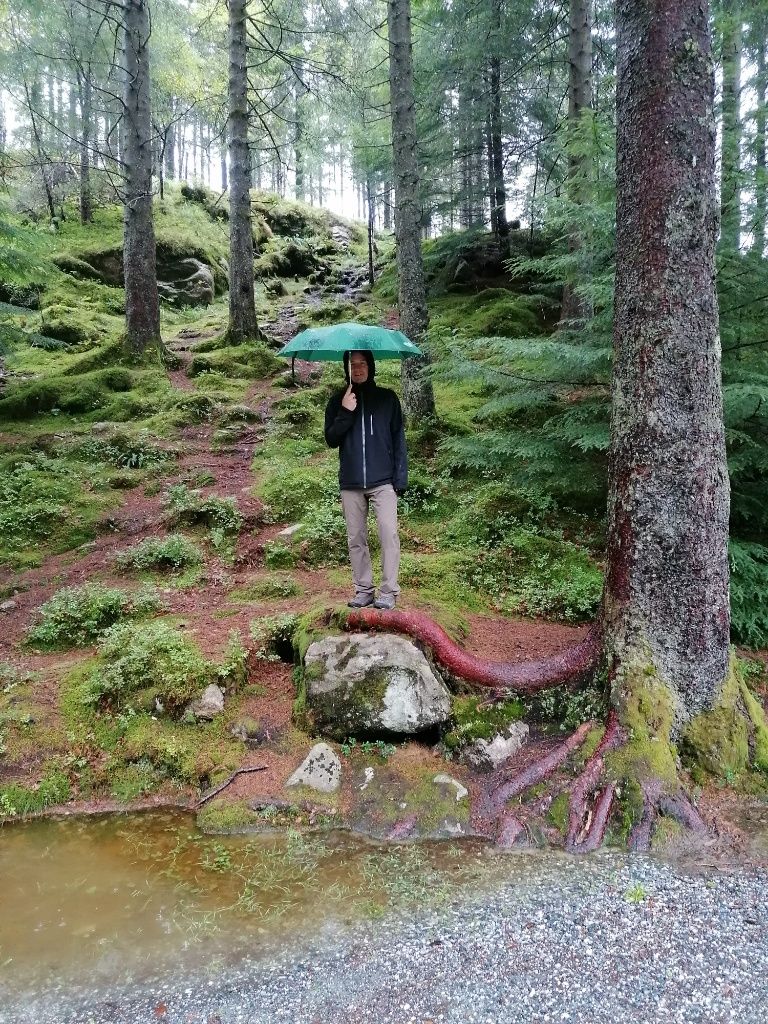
{"x":276,"y":586}
{"x":636,"y":894}
{"x":370,"y":748}
{"x":220,"y":515}
{"x":77,"y":616}
{"x":172,"y":552}
{"x":279,"y":556}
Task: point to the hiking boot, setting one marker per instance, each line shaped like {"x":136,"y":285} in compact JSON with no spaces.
{"x":386,"y":602}
{"x":360,"y":601}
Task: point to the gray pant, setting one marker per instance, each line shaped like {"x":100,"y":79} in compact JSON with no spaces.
{"x":355,"y":505}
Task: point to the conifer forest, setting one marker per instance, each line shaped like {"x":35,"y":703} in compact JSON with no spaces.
{"x":521,"y":770}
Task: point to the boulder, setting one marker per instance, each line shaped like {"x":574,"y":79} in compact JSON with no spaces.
{"x":210,"y":704}
{"x":486,"y":754}
{"x":186,"y":282}
{"x":320,"y":770}
{"x":369,"y":685}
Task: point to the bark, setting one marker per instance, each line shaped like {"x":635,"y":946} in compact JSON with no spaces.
{"x":418,"y":396}
{"x":371,"y":226}
{"x":242,"y":307}
{"x":574,"y":307}
{"x":298,"y":138}
{"x":761,"y":82}
{"x":498,"y":192}
{"x":387,"y":206}
{"x":33,"y":98}
{"x":730,"y":191}
{"x":169,"y":155}
{"x":666,"y":606}
{"x":142,"y":305}
{"x":86,"y":96}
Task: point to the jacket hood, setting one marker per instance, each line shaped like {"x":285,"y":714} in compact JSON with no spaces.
{"x":371,"y":366}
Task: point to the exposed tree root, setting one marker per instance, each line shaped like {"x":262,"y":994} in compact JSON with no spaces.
{"x":578,"y":826}
{"x":672,"y":805}
{"x":539,"y":770}
{"x":227,"y":782}
{"x":569,"y":666}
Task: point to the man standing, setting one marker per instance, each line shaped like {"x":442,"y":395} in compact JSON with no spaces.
{"x":365,"y":422}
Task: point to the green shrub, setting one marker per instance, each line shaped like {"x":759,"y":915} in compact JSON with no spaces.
{"x":279,"y":556}
{"x":277,"y":586}
{"x":162,"y":553}
{"x":292,"y":491}
{"x":53,"y":788}
{"x":144,"y":662}
{"x":749,"y":585}
{"x":134,"y":780}
{"x":77,"y":616}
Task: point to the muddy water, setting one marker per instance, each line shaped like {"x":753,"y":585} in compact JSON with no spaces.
{"x":112,"y":900}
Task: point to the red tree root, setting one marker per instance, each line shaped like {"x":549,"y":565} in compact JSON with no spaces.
{"x":511,"y":827}
{"x":539,"y":770}
{"x":588,"y":780}
{"x":596,"y":828}
{"x":673,"y":805}
{"x":523,"y":677}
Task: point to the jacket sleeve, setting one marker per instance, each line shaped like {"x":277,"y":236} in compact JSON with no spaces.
{"x":338,"y":422}
{"x":400,"y":478}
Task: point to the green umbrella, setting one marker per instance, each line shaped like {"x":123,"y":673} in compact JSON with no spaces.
{"x":330,"y":343}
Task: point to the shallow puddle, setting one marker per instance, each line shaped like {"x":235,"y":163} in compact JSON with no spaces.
{"x":112,"y":899}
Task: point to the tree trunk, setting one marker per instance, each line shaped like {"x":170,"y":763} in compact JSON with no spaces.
{"x":761,"y":82}
{"x":371,"y":228}
{"x":498,"y":192}
{"x":242,"y":306}
{"x":418,"y":397}
{"x":574,"y":307}
{"x":387,"y":206}
{"x":169,"y":156}
{"x":86,"y":92}
{"x":142,"y":305}
{"x":730,"y":190}
{"x":666,"y":610}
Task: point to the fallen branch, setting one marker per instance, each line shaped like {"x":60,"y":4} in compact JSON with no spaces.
{"x":569,"y":666}
{"x":217,"y":789}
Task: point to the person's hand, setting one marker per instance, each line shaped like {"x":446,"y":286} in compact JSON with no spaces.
{"x":349,"y":401}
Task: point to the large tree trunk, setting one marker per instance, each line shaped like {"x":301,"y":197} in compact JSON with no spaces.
{"x":86,"y":93}
{"x":574,"y":307}
{"x":142,"y":305}
{"x":761,"y":183}
{"x":730,"y":190}
{"x":242,"y":306}
{"x":418,"y":397}
{"x":666,"y":610}
{"x":498,"y":192}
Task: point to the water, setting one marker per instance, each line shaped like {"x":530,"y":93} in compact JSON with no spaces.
{"x":113,"y":899}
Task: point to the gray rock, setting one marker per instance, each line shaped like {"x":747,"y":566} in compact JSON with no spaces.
{"x":189,"y":283}
{"x":359,"y":684}
{"x":8,"y":606}
{"x":289,"y":531}
{"x":211,"y":703}
{"x":447,"y":780}
{"x":485,"y":755}
{"x":320,"y":770}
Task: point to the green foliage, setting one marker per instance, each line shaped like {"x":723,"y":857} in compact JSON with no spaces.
{"x":250,"y":361}
{"x":81,"y":395}
{"x":369,"y":748}
{"x":172,"y":552}
{"x":220,"y":515}
{"x":155,"y":665}
{"x":274,"y":635}
{"x":473,"y":721}
{"x":77,"y":616}
{"x":53,"y":788}
{"x":749,"y":585}
{"x":277,"y":585}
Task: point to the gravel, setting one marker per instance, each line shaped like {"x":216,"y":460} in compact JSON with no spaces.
{"x":582,"y":940}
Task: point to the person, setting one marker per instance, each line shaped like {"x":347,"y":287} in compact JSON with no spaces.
{"x":365,"y":422}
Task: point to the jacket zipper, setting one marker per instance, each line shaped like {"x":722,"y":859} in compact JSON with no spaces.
{"x":362,"y":424}
{"x":371,"y":424}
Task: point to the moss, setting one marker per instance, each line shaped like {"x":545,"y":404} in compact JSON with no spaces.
{"x":759,"y":726}
{"x":53,"y":788}
{"x":471,"y":722}
{"x":223,"y":816}
{"x":558,"y":812}
{"x":717,"y":741}
{"x":251,"y":361}
{"x":647,"y":712}
{"x":88,"y":392}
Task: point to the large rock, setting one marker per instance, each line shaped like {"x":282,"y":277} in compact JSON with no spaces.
{"x":320,"y":770}
{"x":187,"y":282}
{"x":485,"y":755}
{"x":361,"y":685}
{"x":210,"y":704}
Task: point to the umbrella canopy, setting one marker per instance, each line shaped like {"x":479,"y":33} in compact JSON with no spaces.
{"x":330,"y":343}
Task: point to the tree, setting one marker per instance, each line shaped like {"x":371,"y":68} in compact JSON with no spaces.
{"x":242,"y":304}
{"x":142,"y":304}
{"x":418,"y":396}
{"x":730,"y":181}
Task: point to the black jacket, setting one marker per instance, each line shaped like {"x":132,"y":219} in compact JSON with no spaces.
{"x":371,"y":440}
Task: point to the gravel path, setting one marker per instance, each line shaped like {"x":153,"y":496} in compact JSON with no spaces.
{"x":588,"y":940}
